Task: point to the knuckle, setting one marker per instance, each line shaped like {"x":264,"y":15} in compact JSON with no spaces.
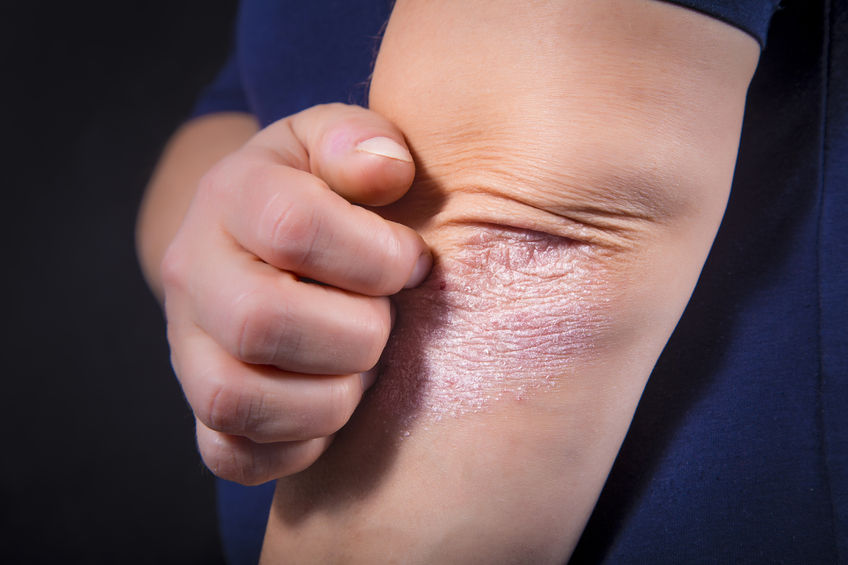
{"x":224,"y":408}
{"x":291,"y":230}
{"x":240,"y":464}
{"x":286,"y":223}
{"x":259,"y":329}
{"x":174,"y":267}
{"x":228,"y":404}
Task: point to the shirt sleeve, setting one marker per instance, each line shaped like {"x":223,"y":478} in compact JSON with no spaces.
{"x":751,"y":16}
{"x":225,"y":93}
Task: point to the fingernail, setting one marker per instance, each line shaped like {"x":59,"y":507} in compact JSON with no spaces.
{"x":385,"y":147}
{"x":421,"y":270}
{"x":368,"y":378}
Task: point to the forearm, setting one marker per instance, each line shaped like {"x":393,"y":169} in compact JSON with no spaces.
{"x":574,"y":160}
{"x":190,"y":153}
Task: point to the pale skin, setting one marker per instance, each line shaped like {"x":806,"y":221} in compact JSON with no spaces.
{"x":610,"y":126}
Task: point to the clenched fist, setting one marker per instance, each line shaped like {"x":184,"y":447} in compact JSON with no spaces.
{"x":277,"y":283}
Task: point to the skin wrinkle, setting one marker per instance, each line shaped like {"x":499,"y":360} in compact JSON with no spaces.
{"x":503,"y":316}
{"x":609,"y":207}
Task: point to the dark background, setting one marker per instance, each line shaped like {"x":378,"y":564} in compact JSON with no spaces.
{"x":98,"y":462}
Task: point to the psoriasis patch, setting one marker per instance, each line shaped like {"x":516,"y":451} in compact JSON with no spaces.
{"x":502,"y":317}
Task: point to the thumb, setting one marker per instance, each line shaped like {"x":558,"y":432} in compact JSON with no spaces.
{"x":361,"y":155}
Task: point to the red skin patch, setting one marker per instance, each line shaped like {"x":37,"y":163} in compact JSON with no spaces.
{"x":501,"y":318}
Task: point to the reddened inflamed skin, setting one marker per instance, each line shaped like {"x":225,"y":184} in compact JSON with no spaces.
{"x":505,"y":316}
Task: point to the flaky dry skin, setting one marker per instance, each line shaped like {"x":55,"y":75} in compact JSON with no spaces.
{"x":504,"y":316}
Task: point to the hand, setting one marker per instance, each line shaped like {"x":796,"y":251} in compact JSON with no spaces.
{"x":272,"y":363}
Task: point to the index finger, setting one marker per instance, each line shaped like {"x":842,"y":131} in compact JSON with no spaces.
{"x":291,"y":220}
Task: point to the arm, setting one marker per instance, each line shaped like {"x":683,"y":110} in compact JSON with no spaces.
{"x":574,"y":160}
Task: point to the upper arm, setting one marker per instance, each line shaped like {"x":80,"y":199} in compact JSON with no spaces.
{"x":621,"y":107}
{"x":574,"y":160}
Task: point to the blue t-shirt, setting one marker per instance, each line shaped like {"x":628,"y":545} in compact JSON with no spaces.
{"x":738,"y":452}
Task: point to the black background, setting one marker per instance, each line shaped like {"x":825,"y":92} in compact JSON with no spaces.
{"x":98,"y":462}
